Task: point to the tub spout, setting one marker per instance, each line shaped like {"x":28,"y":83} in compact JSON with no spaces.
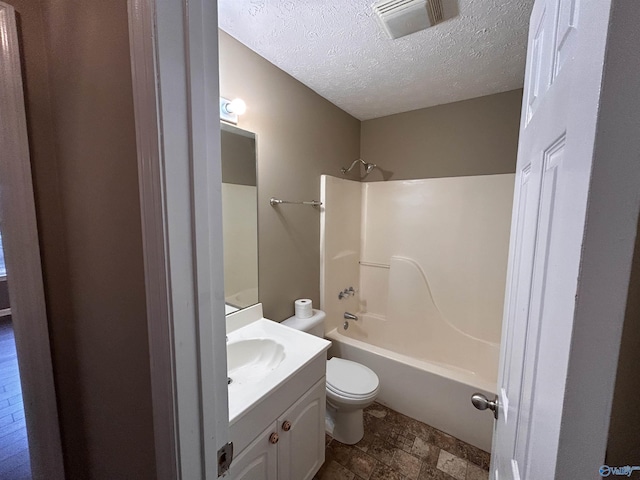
{"x":350,"y":316}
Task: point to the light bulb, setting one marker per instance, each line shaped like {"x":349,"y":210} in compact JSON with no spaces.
{"x":237,"y":106}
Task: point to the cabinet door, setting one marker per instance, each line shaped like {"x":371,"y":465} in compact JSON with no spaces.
{"x":301,"y":429}
{"x":258,"y":461}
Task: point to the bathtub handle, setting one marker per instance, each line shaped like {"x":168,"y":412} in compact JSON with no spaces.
{"x":481,"y":402}
{"x":350,"y":316}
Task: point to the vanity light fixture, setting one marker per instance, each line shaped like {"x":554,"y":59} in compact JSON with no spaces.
{"x":230,"y":109}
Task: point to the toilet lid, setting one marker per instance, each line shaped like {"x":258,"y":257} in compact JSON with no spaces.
{"x":350,"y":379}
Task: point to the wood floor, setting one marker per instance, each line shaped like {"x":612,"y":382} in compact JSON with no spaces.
{"x":14,"y":448}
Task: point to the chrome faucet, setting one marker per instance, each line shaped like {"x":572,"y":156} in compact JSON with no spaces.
{"x":350,"y":316}
{"x":347,"y":292}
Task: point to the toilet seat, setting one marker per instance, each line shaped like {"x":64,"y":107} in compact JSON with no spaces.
{"x":350,"y":380}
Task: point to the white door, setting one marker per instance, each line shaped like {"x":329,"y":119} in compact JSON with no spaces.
{"x":563,"y":190}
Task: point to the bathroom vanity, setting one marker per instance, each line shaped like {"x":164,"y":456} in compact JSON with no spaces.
{"x":277,"y":389}
{"x":277,"y":399}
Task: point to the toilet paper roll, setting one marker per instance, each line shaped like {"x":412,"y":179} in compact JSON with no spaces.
{"x":304,"y":308}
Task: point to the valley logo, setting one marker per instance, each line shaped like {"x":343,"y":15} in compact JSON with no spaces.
{"x":625,"y":471}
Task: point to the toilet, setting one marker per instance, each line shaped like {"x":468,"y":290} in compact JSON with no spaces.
{"x":351,"y":387}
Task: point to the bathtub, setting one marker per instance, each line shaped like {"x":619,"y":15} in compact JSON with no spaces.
{"x":429,"y":381}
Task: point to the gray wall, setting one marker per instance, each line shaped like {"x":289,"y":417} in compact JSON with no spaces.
{"x":472,"y":137}
{"x":83,"y":154}
{"x":238,"y":158}
{"x":300,"y":136}
{"x":624,"y":431}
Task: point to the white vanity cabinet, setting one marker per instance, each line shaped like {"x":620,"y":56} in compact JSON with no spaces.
{"x":259,"y":461}
{"x":277,"y":398}
{"x":292,"y":447}
{"x":301,"y":429}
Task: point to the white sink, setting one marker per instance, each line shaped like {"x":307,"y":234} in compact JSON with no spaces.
{"x":252,"y":359}
{"x":261,"y":357}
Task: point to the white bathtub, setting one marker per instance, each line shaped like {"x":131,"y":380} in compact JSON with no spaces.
{"x":425,"y":382}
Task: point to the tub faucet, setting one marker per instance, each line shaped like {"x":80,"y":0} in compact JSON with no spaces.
{"x":350,"y":316}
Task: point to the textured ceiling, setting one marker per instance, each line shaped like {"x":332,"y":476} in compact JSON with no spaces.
{"x":337,"y":48}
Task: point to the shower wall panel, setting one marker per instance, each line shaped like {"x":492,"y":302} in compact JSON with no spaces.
{"x":456,"y":231}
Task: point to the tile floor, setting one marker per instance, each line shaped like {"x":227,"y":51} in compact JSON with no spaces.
{"x":14,"y":448}
{"x":396,"y":447}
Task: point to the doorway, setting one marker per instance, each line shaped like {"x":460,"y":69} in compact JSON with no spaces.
{"x":14,"y":444}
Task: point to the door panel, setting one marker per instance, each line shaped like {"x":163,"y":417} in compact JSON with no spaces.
{"x":538,"y":67}
{"x":258,"y":461}
{"x":301,"y":448}
{"x":566,"y":32}
{"x":537,"y":336}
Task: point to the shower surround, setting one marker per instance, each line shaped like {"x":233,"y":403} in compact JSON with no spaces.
{"x":428,"y":261}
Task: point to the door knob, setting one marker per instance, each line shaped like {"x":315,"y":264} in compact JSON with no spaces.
{"x":482,"y":403}
{"x":273,"y":438}
{"x":286,"y":426}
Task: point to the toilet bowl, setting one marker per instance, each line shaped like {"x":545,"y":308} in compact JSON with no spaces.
{"x":351,"y":387}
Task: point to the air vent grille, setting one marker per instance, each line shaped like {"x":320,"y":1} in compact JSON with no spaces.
{"x":403,"y":17}
{"x":389,"y":6}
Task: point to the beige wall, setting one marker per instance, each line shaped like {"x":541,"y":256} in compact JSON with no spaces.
{"x":472,"y":137}
{"x":300,"y":135}
{"x":83,"y":153}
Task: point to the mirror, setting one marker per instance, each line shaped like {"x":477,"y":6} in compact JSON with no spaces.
{"x":239,"y":217}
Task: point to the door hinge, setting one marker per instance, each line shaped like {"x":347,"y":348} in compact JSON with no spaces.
{"x":225,"y":456}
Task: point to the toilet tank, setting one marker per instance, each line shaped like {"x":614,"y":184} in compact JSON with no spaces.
{"x":313,"y":325}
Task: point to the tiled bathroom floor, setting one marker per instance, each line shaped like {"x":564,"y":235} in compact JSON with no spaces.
{"x":396,"y":447}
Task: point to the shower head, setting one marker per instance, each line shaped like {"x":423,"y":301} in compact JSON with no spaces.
{"x":368,"y":167}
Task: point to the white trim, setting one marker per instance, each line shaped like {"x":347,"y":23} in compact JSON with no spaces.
{"x":174,"y":59}
{"x":157,"y":285}
{"x":22,"y":255}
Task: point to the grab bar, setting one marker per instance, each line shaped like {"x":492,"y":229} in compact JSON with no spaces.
{"x":377,"y":265}
{"x":275,"y":201}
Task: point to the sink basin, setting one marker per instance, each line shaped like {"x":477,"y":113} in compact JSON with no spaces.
{"x":262,"y":356}
{"x":252,"y":359}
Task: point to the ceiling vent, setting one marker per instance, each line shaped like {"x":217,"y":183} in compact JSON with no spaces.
{"x":403,"y":17}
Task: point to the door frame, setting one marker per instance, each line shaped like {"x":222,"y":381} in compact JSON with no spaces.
{"x":24,"y":267}
{"x":174,"y":60}
{"x":175,"y":70}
